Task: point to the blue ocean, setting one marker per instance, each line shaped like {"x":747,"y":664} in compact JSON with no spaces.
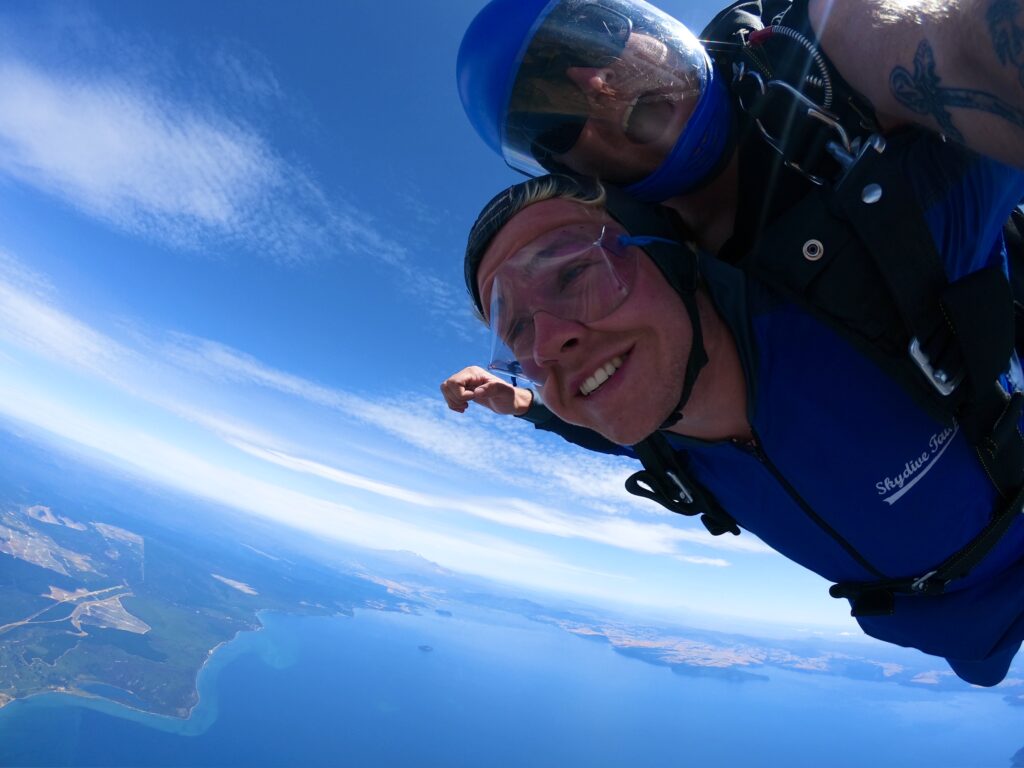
{"x":482,"y":688}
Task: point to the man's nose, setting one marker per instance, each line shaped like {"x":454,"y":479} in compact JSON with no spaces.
{"x":593,"y":81}
{"x":553,"y":336}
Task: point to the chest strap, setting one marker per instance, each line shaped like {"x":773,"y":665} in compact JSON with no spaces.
{"x":878,"y":598}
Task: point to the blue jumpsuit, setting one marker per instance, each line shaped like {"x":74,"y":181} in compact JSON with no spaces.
{"x":843,"y":453}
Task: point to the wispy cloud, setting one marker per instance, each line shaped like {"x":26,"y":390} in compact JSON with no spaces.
{"x":618,"y":532}
{"x":498,"y":446}
{"x":472,"y":443}
{"x":697,"y":560}
{"x":192,"y":167}
{"x":157,"y":459}
{"x":29,"y":320}
{"x":168,"y":170}
{"x":160,"y":374}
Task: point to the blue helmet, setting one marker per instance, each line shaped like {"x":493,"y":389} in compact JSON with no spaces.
{"x":611,"y":88}
{"x":489,"y":56}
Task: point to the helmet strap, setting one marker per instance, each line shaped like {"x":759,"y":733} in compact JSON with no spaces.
{"x":697,"y":359}
{"x":662,"y":242}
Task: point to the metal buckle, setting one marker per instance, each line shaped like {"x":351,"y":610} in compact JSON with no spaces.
{"x":841,"y":149}
{"x":921,"y":584}
{"x":941,"y":380}
{"x":684,"y":493}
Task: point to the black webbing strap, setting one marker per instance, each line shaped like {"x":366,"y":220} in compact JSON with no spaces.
{"x":969,"y":324}
{"x":665,"y":480}
{"x":877,"y":598}
{"x":970,"y":327}
{"x":876,"y":198}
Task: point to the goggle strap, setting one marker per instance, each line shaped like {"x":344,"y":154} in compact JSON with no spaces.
{"x":641,"y":240}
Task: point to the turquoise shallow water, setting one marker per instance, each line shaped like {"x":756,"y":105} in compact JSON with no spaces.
{"x":498,"y":690}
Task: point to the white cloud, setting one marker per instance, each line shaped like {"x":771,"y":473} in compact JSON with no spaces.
{"x":28,"y":320}
{"x":192,"y":174}
{"x":122,"y":155}
{"x":162,"y":375}
{"x":156,"y":459}
{"x":696,"y":560}
{"x":618,"y":532}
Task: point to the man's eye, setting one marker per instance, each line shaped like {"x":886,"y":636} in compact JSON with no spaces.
{"x":514,"y":330}
{"x":572,"y":274}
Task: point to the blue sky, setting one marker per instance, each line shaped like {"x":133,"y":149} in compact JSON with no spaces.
{"x":230,"y":262}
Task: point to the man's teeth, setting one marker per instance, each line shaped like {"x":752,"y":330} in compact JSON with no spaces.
{"x":600,"y":376}
{"x":627,"y":115}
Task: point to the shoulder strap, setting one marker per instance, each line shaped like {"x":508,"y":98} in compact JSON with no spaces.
{"x":868,"y":267}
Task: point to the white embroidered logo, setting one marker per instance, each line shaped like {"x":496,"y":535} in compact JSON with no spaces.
{"x":891,"y":489}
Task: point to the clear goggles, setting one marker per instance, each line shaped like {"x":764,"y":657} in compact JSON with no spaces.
{"x":579,"y":273}
{"x":656,"y":66}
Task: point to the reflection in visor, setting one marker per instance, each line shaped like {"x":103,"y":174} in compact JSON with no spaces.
{"x":579,"y":274}
{"x":595,"y":37}
{"x":652,"y":62}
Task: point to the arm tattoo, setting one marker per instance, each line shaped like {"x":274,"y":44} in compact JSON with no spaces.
{"x":920,"y":92}
{"x":1007,"y":35}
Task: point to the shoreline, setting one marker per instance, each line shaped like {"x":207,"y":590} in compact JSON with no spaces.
{"x":209,"y":657}
{"x":77,"y":693}
{"x":121,"y":709}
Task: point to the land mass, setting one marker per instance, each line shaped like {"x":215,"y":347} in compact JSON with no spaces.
{"x":90,"y":608}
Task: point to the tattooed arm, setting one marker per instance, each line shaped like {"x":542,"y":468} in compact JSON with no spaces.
{"x":954,"y":66}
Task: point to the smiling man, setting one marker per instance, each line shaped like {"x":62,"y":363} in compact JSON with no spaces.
{"x":778,"y":424}
{"x":538,"y":290}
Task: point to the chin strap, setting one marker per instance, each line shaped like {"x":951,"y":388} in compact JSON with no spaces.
{"x":695,"y":362}
{"x":677,"y":262}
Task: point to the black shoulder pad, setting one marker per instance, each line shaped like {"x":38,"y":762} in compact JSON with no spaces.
{"x":730,"y":22}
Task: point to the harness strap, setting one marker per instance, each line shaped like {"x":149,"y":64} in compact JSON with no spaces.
{"x":878,"y":201}
{"x":962,"y":337}
{"x":878,"y":598}
{"x":665,"y":480}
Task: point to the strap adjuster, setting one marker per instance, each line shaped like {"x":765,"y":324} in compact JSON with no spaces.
{"x":684,"y":494}
{"x":924,"y":585}
{"x":938,"y":378}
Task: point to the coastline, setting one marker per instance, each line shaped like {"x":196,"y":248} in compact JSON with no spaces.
{"x":260,"y":626}
{"x":198,"y":717}
{"x":190,"y":724}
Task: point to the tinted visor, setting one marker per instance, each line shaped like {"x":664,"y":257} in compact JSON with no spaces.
{"x":547,"y":109}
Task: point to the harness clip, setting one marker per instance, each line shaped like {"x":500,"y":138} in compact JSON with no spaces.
{"x":924,"y":584}
{"x":857,"y":152}
{"x":938,"y":378}
{"x":684,"y":493}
